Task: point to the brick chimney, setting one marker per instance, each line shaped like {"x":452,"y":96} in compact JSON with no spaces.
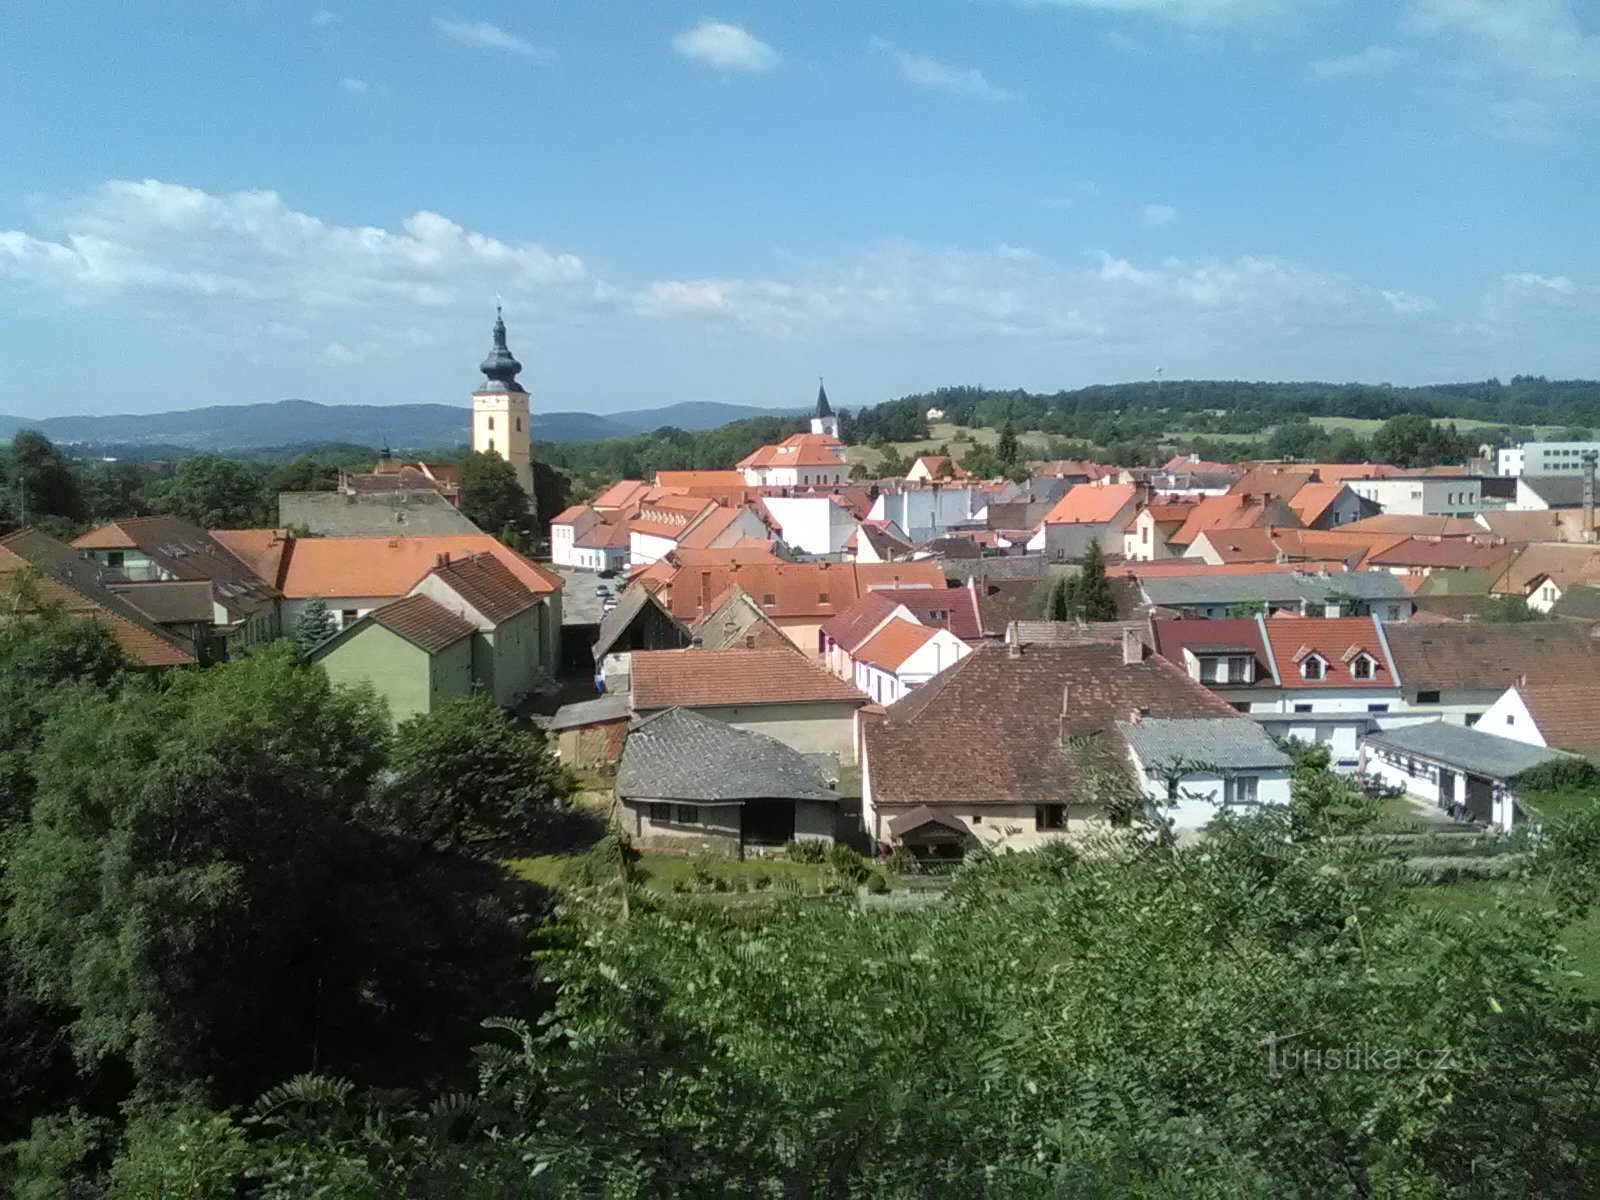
{"x":1589,"y":461}
{"x":443,"y":560}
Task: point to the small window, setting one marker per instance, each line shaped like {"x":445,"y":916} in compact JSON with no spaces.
{"x":768,"y":599}
{"x":491,"y":422}
{"x":1361,"y":667}
{"x":348,"y":616}
{"x":659,"y":813}
{"x":491,"y":445}
{"x":1050,"y":816}
{"x":822,"y":597}
{"x":519,"y":424}
{"x":687,"y":814}
{"x":1242,"y":790}
{"x":1511,"y":719}
{"x":1377,"y":708}
{"x":975,"y":819}
{"x":1311,"y":668}
{"x":1427,"y":697}
{"x":1302,"y":708}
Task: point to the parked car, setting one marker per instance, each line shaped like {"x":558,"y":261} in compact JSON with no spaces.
{"x":608,"y":573}
{"x":602,"y":590}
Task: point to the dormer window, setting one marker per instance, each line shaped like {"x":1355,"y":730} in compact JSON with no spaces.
{"x":1361,"y":666}
{"x":1313,"y":667}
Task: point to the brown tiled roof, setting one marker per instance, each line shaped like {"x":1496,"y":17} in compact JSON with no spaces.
{"x":1232,"y":511}
{"x":184,"y":551}
{"x":1311,"y":501}
{"x":793,"y":590}
{"x":604,"y":536}
{"x":1565,"y":564}
{"x":369,"y":566}
{"x":485,"y":583}
{"x":65,"y":579}
{"x":1279,"y":483}
{"x":1000,"y":727}
{"x":798,"y":450}
{"x":1415,"y":526}
{"x":670,"y":516}
{"x":897,"y":641}
{"x":622,"y":494}
{"x":423,"y":622}
{"x":1565,"y":714}
{"x":718,"y":678}
{"x":1436,"y":656}
{"x":1443,"y":552}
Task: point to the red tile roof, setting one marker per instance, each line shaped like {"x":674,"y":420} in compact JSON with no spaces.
{"x":1173,"y":637}
{"x":1337,"y":641}
{"x":793,"y":590}
{"x":576,"y":514}
{"x":856,"y":624}
{"x":1314,"y":499}
{"x":1232,"y":511}
{"x":934,"y":463}
{"x":1415,"y":526}
{"x":897,"y":641}
{"x":670,"y":516}
{"x":622,"y":494}
{"x":722,"y":678}
{"x":423,"y":622}
{"x":798,"y":450}
{"x":1491,"y":654}
{"x":1281,"y":483}
{"x":1467,"y":553}
{"x":927,"y":605}
{"x":1090,"y":504}
{"x":607,"y":536}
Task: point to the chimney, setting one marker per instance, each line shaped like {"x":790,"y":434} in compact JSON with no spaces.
{"x":705,"y":590}
{"x":1136,"y":716}
{"x":1013,"y":643}
{"x":1132,"y":648}
{"x":1590,"y":458}
{"x":442,"y":560}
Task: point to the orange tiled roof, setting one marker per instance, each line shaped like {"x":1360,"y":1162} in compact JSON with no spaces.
{"x":622,"y":494}
{"x":897,"y":641}
{"x":798,"y":450}
{"x":670,"y":516}
{"x":605,"y":536}
{"x":575,"y":514}
{"x":1314,"y":499}
{"x":1337,"y":641}
{"x":855,"y":625}
{"x":1415,"y":526}
{"x":1281,"y":483}
{"x":1564,"y":713}
{"x":740,"y":676}
{"x":709,"y":528}
{"x":1090,"y":504}
{"x":372,"y":566}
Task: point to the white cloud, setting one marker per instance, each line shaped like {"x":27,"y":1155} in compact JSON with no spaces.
{"x":303,"y":295}
{"x":726,"y":47}
{"x":324,"y":18}
{"x":1374,"y":60}
{"x":1216,"y":13}
{"x":1528,"y":69}
{"x":943,"y":77}
{"x":1156,"y":215}
{"x":356,"y":87}
{"x":481,"y":35}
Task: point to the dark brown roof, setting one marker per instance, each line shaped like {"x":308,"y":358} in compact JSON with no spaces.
{"x":855,"y":625}
{"x":716,"y":678}
{"x":1436,"y":655}
{"x":487,"y":584}
{"x":184,"y":551}
{"x":423,"y":622}
{"x":73,"y":582}
{"x":1005,"y":727}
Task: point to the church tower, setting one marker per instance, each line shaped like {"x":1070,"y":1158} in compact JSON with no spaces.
{"x":500,"y":410}
{"x":823,"y":421}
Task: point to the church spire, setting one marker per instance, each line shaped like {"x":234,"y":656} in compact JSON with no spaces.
{"x":824,"y":409}
{"x":500,"y":366}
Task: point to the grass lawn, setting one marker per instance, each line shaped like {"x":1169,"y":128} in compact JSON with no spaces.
{"x":944,"y":433}
{"x":1582,"y":938}
{"x":1555,"y":805}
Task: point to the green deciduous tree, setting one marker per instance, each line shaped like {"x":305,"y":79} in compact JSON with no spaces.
{"x":491,"y":497}
{"x":216,"y":493}
{"x":39,"y":482}
{"x":467,"y":771}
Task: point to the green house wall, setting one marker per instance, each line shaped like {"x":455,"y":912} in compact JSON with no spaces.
{"x":409,"y":679}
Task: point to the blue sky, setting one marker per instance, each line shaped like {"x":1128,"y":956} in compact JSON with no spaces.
{"x":205,"y":201}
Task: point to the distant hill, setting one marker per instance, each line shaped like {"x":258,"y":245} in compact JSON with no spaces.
{"x":282,"y":422}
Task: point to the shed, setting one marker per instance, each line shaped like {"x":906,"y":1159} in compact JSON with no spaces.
{"x":1465,"y":771}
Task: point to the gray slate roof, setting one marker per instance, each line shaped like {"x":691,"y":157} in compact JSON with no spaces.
{"x":610,"y":707}
{"x":680,"y":755}
{"x":1178,"y":592}
{"x":1580,"y":603}
{"x":1464,"y":748}
{"x":1558,"y":491}
{"x":1227,"y":744}
{"x":373,"y":514}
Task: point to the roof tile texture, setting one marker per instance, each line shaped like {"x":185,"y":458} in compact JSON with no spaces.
{"x":717,"y":678}
{"x":423,"y":622}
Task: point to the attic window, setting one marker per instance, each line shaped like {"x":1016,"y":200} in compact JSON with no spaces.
{"x":1313,"y":667}
{"x":822,"y":597}
{"x":768,"y":599}
{"x":1361,"y":666}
